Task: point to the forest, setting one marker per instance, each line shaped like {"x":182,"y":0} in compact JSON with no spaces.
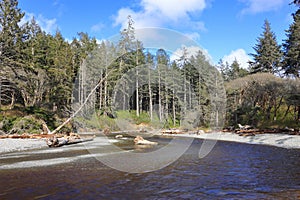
{"x":45,"y":79}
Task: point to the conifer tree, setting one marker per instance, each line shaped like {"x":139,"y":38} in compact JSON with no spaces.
{"x":11,"y":34}
{"x":10,"y":49}
{"x":291,"y":63}
{"x":267,"y":56}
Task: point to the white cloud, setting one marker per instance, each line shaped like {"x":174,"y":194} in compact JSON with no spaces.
{"x":173,"y":9}
{"x":141,"y":19}
{"x":97,"y":27}
{"x":47,"y":25}
{"x":68,"y":40}
{"x":156,"y":13}
{"x":193,"y":36}
{"x":240,"y":55}
{"x":191,"y":51}
{"x":257,"y":6}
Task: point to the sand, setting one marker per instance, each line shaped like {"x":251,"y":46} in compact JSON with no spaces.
{"x":279,"y":140}
{"x":12,"y":145}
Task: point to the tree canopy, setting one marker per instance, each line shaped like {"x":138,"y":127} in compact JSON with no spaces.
{"x":268,"y":54}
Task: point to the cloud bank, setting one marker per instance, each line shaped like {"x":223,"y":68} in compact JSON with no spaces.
{"x":47,"y":25}
{"x":258,"y":6}
{"x":156,"y":13}
{"x":240,"y":55}
{"x":191,"y":51}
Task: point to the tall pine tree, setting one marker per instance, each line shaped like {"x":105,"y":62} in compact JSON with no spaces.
{"x":291,"y":63}
{"x":268,"y":54}
{"x":11,"y":34}
{"x":10,"y":50}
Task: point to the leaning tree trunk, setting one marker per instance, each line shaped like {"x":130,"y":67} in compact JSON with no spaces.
{"x":81,"y":106}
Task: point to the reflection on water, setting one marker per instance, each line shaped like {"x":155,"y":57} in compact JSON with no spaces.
{"x":230,"y":171}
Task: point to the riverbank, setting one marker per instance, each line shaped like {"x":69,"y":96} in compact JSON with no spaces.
{"x":11,"y":145}
{"x":274,"y":139}
{"x":280,"y":140}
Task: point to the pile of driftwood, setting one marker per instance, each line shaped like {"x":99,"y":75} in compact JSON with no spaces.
{"x":68,"y":139}
{"x":250,"y":131}
{"x":172,"y":131}
{"x":29,"y":136}
{"x":52,"y":140}
{"x":253,"y":132}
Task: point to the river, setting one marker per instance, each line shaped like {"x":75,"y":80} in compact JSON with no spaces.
{"x":230,"y":171}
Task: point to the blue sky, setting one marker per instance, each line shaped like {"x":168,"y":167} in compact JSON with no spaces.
{"x":225,"y":29}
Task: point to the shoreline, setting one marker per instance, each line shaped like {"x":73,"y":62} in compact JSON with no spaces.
{"x":270,"y":139}
{"x":9,"y":145}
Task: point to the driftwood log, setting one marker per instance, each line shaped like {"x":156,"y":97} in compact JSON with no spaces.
{"x":172,"y":131}
{"x":30,"y":136}
{"x":55,"y":142}
{"x":252,"y":132}
{"x":139,"y":140}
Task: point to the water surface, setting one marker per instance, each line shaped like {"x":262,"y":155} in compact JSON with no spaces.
{"x":230,"y":171}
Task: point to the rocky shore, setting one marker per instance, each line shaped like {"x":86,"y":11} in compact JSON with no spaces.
{"x":16,"y":142}
{"x":273,"y":139}
{"x":11,"y":145}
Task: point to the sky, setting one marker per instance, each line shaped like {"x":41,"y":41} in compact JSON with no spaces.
{"x":223,"y":29}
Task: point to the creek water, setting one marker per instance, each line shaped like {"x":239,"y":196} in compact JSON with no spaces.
{"x":230,"y":171}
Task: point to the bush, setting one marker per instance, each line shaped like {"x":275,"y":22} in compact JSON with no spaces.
{"x":27,"y":124}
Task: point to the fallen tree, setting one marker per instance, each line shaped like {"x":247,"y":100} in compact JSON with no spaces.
{"x":55,"y":142}
{"x":81,"y":106}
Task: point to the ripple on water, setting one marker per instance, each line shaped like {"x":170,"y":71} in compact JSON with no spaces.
{"x":230,"y":171}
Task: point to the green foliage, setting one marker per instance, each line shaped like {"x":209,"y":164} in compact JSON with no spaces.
{"x":268,"y":54}
{"x":7,"y":123}
{"x":291,"y":62}
{"x":27,"y":124}
{"x":233,"y":71}
{"x":43,"y":114}
{"x":142,"y":118}
{"x":263,"y":99}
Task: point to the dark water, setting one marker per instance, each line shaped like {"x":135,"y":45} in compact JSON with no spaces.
{"x":230,"y":171}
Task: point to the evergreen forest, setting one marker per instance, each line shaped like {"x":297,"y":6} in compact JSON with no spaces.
{"x":44,"y":79}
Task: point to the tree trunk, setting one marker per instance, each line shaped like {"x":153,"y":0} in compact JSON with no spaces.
{"x":166,"y":98}
{"x":0,"y":93}
{"x":12,"y":100}
{"x":159,"y":97}
{"x":185,"y":94}
{"x":100,"y":95}
{"x":298,"y":113}
{"x":190,"y":96}
{"x":137,"y":82}
{"x":174,"y":107}
{"x":105,"y":103}
{"x":287,"y":111}
{"x":276,"y":107}
{"x":150,"y":95}
{"x":199,"y":90}
{"x":124,"y":96}
{"x":81,"y":105}
{"x":137,"y":93}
